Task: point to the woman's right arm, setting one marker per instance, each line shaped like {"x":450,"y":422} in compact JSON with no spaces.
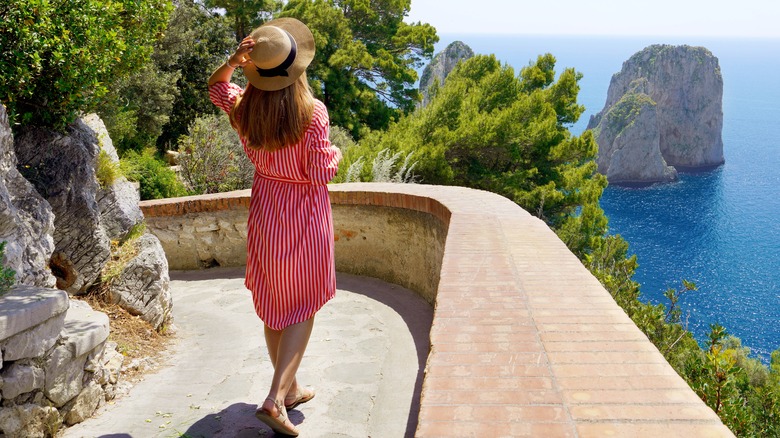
{"x":236,"y":60}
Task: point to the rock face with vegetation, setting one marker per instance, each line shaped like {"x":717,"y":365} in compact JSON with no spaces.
{"x":441,"y":66}
{"x":55,"y":363}
{"x":681,"y":88}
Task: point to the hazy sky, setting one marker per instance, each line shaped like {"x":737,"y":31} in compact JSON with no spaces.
{"x":732,"y":18}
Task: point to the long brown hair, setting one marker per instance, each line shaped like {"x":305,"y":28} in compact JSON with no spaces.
{"x":273,"y":120}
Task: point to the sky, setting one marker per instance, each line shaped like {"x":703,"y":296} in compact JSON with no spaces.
{"x":711,"y":18}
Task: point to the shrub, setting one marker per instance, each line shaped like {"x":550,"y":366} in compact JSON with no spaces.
{"x":212,"y":159}
{"x":59,"y":57}
{"x":157,"y":180}
{"x":107,"y":170}
{"x":7,"y":276}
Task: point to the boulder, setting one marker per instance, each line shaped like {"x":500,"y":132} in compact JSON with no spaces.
{"x":685,"y":87}
{"x":62,"y":168}
{"x":441,"y":65}
{"x":142,"y":288}
{"x":84,"y":405}
{"x":26,"y":219}
{"x":118,"y":202}
{"x":85,"y":332}
{"x":29,"y":421}
{"x":21,"y":378}
{"x":31,"y":319}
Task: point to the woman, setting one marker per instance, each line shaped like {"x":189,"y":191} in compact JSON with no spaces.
{"x":290,"y":268}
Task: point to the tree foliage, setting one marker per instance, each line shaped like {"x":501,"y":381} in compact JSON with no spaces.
{"x":489,"y":129}
{"x":212,"y":159}
{"x":157,"y":104}
{"x":245,"y":15}
{"x":59,"y":57}
{"x":364,"y":69}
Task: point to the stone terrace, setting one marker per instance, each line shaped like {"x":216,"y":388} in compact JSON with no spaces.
{"x":524,"y":340}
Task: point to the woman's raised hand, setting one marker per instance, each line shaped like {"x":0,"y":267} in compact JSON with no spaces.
{"x":240,"y":58}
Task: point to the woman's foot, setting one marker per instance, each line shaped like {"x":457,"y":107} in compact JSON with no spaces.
{"x":273,"y":414}
{"x":300,"y":396}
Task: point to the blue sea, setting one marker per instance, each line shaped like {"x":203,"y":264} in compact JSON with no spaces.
{"x":719,"y":229}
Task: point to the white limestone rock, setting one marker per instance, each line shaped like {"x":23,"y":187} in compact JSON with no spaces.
{"x":84,"y":405}
{"x":21,"y":378}
{"x":629,"y":141}
{"x":685,"y":86}
{"x":85,"y":331}
{"x":31,"y":320}
{"x":29,"y":421}
{"x":62,"y":168}
{"x":26,"y":219}
{"x":118,"y":203}
{"x":143,"y":286}
{"x":441,"y":65}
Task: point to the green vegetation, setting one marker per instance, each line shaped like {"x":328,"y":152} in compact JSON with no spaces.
{"x":489,"y":129}
{"x":60,"y":57}
{"x":156,"y":104}
{"x":364,"y":69}
{"x":626,"y":110}
{"x":212,"y":159}
{"x":156,"y":178}
{"x":107,"y":170}
{"x":7,"y":275}
{"x":121,"y":253}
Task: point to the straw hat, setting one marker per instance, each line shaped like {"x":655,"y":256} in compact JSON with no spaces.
{"x":283,"y":49}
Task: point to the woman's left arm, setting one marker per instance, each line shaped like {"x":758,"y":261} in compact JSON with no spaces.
{"x":323,"y":156}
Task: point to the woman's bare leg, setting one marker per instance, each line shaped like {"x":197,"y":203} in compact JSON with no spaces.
{"x":291,"y":344}
{"x":272,"y":338}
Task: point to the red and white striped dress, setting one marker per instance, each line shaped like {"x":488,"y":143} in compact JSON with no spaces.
{"x":290,"y":267}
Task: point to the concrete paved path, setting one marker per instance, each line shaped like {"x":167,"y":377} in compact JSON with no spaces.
{"x":365,"y":359}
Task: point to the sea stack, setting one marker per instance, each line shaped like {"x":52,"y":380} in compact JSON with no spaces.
{"x":664,"y":112}
{"x":441,"y":65}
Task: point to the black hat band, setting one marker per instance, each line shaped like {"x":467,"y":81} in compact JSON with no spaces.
{"x":281,"y":69}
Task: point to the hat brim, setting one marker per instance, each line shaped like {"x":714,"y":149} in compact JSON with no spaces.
{"x":305,"y":54}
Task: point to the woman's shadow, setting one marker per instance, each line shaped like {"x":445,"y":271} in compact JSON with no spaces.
{"x":235,"y":421}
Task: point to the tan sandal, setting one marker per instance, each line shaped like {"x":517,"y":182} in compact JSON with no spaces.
{"x":280,"y":423}
{"x":300,"y":398}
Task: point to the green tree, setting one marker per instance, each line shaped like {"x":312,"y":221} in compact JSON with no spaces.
{"x":59,"y":57}
{"x":489,"y":129}
{"x":194,"y":46}
{"x":158,"y":103}
{"x":364,"y":69}
{"x":245,"y":15}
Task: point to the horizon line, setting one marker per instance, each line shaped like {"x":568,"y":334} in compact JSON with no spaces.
{"x":605,"y":35}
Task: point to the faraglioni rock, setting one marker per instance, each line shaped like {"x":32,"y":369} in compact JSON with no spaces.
{"x":664,"y":112}
{"x":441,"y":65}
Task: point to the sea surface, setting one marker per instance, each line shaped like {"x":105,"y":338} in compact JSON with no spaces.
{"x":719,"y":229}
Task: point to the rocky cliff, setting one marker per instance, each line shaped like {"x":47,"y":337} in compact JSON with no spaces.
{"x":441,"y":65}
{"x":663,"y":110}
{"x":26,"y":219}
{"x":56,"y":365}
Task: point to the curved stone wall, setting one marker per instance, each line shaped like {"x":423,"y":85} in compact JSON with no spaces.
{"x":524,"y":340}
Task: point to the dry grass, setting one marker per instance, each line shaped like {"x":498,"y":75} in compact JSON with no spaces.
{"x":142,"y":346}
